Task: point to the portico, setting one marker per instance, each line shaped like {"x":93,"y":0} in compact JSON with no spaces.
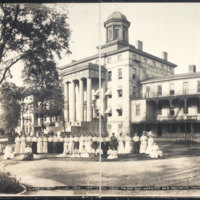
{"x":82,"y":96}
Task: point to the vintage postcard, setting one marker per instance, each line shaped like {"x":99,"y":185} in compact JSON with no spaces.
{"x":100,"y":99}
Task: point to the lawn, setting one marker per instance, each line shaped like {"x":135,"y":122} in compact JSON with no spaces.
{"x":179,"y":167}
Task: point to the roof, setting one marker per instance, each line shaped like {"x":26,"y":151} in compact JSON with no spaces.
{"x":173,"y":77}
{"x":117,"y":15}
{"x":128,"y":48}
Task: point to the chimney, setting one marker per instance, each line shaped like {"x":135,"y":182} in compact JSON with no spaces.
{"x":139,"y":45}
{"x":192,"y":68}
{"x":164,"y":55}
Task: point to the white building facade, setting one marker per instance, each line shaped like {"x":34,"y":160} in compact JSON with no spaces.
{"x":123,"y":68}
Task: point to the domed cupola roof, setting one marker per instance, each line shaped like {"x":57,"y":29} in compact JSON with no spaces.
{"x":117,"y":17}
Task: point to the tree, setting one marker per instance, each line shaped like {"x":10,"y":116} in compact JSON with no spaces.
{"x":10,"y":107}
{"x":34,"y":35}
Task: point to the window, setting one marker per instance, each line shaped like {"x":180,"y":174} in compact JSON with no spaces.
{"x":120,"y":112}
{"x":109,"y":126}
{"x":154,"y":64}
{"x":134,"y":73}
{"x":116,"y":33}
{"x":172,"y":111}
{"x":110,"y":34}
{"x":120,"y":73}
{"x":185,"y":87}
{"x":159,"y":92}
{"x":145,"y":60}
{"x":119,"y":57}
{"x":198,"y":86}
{"x":162,"y":66}
{"x":119,"y":127}
{"x":137,"y":110}
{"x":109,"y":76}
{"x":159,"y":111}
{"x":147,"y":91}
{"x":171,"y":89}
{"x":125,"y":36}
{"x":120,"y":92}
{"x":109,"y":60}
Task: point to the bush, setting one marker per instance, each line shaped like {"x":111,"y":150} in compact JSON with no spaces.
{"x":8,"y":184}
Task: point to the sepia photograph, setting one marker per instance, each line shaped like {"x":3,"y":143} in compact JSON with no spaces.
{"x":100,"y":99}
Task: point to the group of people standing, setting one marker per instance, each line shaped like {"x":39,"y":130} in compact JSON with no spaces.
{"x":87,"y":145}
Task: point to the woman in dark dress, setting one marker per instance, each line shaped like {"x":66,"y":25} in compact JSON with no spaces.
{"x":34,"y":144}
{"x":50,"y":143}
{"x":55,"y":144}
{"x":60,"y":144}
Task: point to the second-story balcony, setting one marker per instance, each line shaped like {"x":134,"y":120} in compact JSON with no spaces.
{"x":171,"y":93}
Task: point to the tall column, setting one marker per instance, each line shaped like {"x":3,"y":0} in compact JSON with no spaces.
{"x":66,"y":97}
{"x":89,"y":99}
{"x":73,"y":107}
{"x":103,"y":103}
{"x":81,"y":100}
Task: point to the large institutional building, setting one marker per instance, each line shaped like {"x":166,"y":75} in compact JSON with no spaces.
{"x":124,"y":70}
{"x":139,"y":91}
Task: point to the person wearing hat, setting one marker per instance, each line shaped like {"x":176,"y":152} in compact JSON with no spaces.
{"x":143,"y":143}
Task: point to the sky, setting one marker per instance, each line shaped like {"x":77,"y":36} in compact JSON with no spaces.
{"x":170,"y":27}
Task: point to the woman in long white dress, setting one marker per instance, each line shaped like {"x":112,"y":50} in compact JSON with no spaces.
{"x":89,"y":145}
{"x":121,"y":147}
{"x":17,"y":144}
{"x":39,"y":144}
{"x":128,"y":144}
{"x":23,"y":144}
{"x":143,"y":143}
{"x":45,"y":145}
{"x":150,"y":143}
{"x":71,"y":144}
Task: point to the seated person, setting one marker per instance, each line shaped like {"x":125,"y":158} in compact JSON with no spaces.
{"x":99,"y":151}
{"x":75,"y":153}
{"x":84,"y":153}
{"x":28,"y":153}
{"x":8,"y":153}
{"x":112,"y":154}
{"x":92,"y":152}
{"x":155,"y":151}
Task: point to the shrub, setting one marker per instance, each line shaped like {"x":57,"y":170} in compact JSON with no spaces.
{"x":8,"y":184}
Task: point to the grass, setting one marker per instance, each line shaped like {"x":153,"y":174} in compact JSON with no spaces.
{"x":9,"y":184}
